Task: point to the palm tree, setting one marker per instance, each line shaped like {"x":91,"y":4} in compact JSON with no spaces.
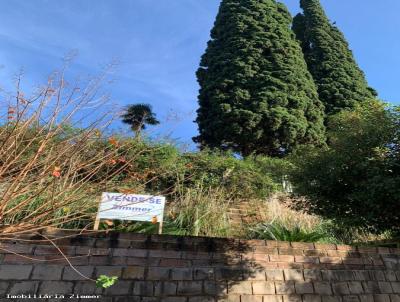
{"x":138,"y":116}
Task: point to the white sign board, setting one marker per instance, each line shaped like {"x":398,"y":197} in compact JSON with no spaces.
{"x":131,"y":207}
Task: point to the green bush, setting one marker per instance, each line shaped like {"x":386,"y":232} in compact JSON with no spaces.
{"x":167,"y":168}
{"x":243,"y":178}
{"x":356,"y":180}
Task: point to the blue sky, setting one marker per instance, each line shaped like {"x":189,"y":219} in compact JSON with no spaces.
{"x":158,"y":44}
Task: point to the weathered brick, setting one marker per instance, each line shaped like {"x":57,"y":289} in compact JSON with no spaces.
{"x":126,"y":299}
{"x":158,"y":273}
{"x":143,"y":288}
{"x":274,"y":274}
{"x":381,"y":298}
{"x":181,"y":274}
{"x":273,"y":298}
{"x":351,"y":299}
{"x":251,"y":298}
{"x":14,"y":272}
{"x":203,"y":299}
{"x":337,"y":275}
{"x":311,"y":298}
{"x":265,"y":250}
{"x":134,"y":261}
{"x":189,"y":288}
{"x":292,"y":298}
{"x":331,"y":298}
{"x":71,"y":274}
{"x":366,"y":298}
{"x":336,"y":253}
{"x":359,"y":261}
{"x":377,"y":275}
{"x":4,"y":287}
{"x":290,"y":251}
{"x":346,"y":248}
{"x":55,"y":287}
{"x":87,"y":288}
{"x":240,"y":288}
{"x":229,"y":273}
{"x":360,"y":275}
{"x":99,"y":260}
{"x":133,"y":272}
{"x":391,"y":262}
{"x":190,"y":255}
{"x":325,"y":246}
{"x":165,"y":288}
{"x":111,"y":243}
{"x":304,"y":288}
{"x":315,"y":253}
{"x":302,"y":245}
{"x":293,"y":274}
{"x":108,"y":270}
{"x":120,"y":288}
{"x":340,"y":288}
{"x":367,"y":250}
{"x":371,"y":287}
{"x":51,"y":250}
{"x":395,"y":287}
{"x":215,"y":288}
{"x":85,"y":250}
{"x":285,"y":288}
{"x":254,"y":273}
{"x":334,"y":260}
{"x":390,"y":275}
{"x":306,"y":259}
{"x":322,"y":288}
{"x":165,"y":254}
{"x":281,"y":258}
{"x":6,"y":248}
{"x":24,"y":287}
{"x":395,"y":298}
{"x":312,"y":275}
{"x":263,"y":287}
{"x":174,"y":263}
{"x":385,"y":287}
{"x":355,"y":287}
{"x":119,"y":252}
{"x":206,"y":273}
{"x":121,"y":261}
{"x":229,"y":298}
{"x":173,"y":299}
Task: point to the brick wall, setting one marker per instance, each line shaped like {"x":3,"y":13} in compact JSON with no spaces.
{"x":187,"y":269}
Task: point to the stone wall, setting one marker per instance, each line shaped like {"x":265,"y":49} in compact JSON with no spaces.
{"x":186,"y":269}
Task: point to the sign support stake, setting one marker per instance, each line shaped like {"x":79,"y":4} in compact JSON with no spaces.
{"x":96,"y":223}
{"x":160,"y":225}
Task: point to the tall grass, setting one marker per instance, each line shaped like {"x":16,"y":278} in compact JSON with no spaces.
{"x":200,"y":212}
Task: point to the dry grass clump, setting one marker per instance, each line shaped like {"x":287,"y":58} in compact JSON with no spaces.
{"x":277,"y":209}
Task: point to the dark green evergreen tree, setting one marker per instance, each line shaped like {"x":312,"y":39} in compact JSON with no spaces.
{"x":341,"y":83}
{"x":256,"y":94}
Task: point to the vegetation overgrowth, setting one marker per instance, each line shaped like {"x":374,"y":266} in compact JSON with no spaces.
{"x":53,"y":172}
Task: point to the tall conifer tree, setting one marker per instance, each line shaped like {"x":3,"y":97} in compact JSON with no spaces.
{"x":256,"y":94}
{"x":341,"y":83}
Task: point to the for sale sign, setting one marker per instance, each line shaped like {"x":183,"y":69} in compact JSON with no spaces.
{"x":118,"y":206}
